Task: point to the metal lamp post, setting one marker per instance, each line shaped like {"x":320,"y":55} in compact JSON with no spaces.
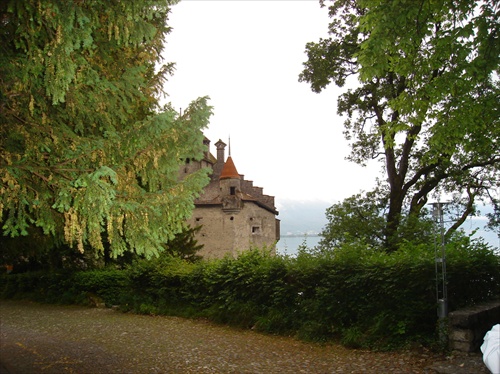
{"x":440,"y":260}
{"x":440,"y":268}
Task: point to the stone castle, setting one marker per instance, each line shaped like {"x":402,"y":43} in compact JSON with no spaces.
{"x":234,"y":215}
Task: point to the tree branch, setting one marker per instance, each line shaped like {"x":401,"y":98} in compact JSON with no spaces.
{"x":469,"y":208}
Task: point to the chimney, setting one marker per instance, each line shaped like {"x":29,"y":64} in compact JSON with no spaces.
{"x":220,"y":159}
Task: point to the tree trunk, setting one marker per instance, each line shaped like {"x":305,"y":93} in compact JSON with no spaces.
{"x":393,"y":219}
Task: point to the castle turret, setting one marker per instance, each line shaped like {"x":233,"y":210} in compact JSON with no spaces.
{"x":230,"y":186}
{"x":232,"y":213}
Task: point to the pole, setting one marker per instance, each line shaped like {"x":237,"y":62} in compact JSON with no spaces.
{"x":440,"y":261}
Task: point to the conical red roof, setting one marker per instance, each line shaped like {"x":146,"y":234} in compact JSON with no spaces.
{"x":229,"y":170}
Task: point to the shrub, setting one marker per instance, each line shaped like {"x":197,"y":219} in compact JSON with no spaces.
{"x":110,"y":285}
{"x":355,"y":294}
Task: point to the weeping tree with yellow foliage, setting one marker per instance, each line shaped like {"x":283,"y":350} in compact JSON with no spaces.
{"x":87,"y":154}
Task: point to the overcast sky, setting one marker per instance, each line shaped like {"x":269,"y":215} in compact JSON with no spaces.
{"x":246,"y":56}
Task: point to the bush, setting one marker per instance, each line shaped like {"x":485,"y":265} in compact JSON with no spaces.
{"x":38,"y":286}
{"x":355,"y":294}
{"x":110,"y":285}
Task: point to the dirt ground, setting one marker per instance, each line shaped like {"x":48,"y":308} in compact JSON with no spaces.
{"x":39,"y":338}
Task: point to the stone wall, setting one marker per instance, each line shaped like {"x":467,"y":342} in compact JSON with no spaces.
{"x":228,"y":232}
{"x":467,"y":327}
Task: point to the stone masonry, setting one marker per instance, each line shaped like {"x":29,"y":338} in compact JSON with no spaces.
{"x":467,"y":327}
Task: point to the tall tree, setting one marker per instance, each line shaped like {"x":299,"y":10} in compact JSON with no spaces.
{"x":86,"y":151}
{"x":427,"y":98}
{"x":185,"y":245}
{"x":357,"y":218}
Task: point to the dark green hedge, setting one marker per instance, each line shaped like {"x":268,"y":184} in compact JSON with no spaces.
{"x":358,"y":296}
{"x":84,"y":287}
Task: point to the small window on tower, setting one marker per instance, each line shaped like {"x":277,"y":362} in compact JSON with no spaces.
{"x":232,"y":190}
{"x":255,"y":229}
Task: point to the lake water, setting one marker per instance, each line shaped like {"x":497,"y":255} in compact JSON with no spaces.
{"x":289,"y":244}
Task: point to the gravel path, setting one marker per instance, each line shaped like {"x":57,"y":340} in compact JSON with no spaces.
{"x":38,"y":338}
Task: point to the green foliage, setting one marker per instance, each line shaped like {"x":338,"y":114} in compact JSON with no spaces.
{"x":184,"y":245}
{"x":87,"y":154}
{"x":256,"y":279}
{"x":107,"y":284}
{"x":494,"y":218}
{"x":362,"y":219}
{"x":466,"y":256}
{"x":356,"y":295}
{"x":357,"y":218}
{"x":427,"y":99}
{"x":39,"y":286}
{"x":68,"y":287}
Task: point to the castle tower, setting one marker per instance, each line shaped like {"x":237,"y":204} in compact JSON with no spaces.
{"x":230,"y":187}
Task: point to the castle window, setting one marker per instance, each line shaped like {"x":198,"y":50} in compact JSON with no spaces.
{"x":232,"y":190}
{"x":198,"y":219}
{"x":232,"y":218}
{"x":255,"y":229}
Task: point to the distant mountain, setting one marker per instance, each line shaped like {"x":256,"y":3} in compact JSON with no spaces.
{"x":302,"y":217}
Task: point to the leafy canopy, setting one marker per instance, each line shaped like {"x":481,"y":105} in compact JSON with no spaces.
{"x":86,"y":152}
{"x":427,"y":100}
